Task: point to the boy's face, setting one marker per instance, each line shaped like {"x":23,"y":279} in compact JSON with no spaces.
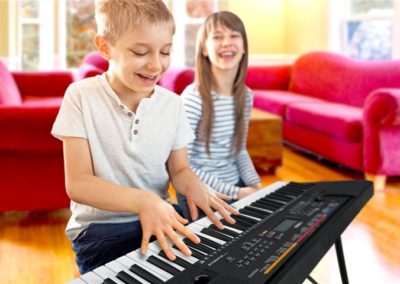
{"x":224,"y":48}
{"x":139,"y":58}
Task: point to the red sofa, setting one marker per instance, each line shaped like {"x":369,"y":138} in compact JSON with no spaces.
{"x":344,"y":110}
{"x":340,"y":109}
{"x":31,"y":161}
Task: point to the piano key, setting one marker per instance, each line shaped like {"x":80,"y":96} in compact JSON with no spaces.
{"x":106,"y":273}
{"x":153,"y":270}
{"x":242,"y":222}
{"x":195,"y":253}
{"x":155,"y":246}
{"x":137,"y":269}
{"x":216,"y":242}
{"x":140,"y":259}
{"x":216,"y":234}
{"x":225,"y":231}
{"x":127,"y":278}
{"x":91,"y":277}
{"x":199,"y":247}
{"x":205,"y":222}
{"x":252,"y":213}
{"x":110,"y":281}
{"x":118,"y":267}
{"x":178,"y":260}
{"x":163,"y":265}
{"x":237,"y":225}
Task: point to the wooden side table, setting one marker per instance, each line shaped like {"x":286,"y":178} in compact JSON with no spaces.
{"x":264,"y":140}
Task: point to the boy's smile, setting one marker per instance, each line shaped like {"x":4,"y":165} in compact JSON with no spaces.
{"x":139,"y":58}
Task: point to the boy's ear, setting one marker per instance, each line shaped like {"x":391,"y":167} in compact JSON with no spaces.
{"x":102,"y":46}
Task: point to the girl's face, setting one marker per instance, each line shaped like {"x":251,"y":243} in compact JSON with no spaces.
{"x":224,"y":48}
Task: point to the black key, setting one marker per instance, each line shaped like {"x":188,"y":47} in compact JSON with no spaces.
{"x":252,"y":213}
{"x":109,"y":281}
{"x":258,"y":210}
{"x":244,"y":219}
{"x":163,"y":265}
{"x":145,"y":274}
{"x":267,"y":206}
{"x":178,"y":260}
{"x":200,"y":246}
{"x":235,"y":226}
{"x":216,"y":234}
{"x":225,"y":230}
{"x":210,"y":243}
{"x":271,"y":203}
{"x":195,"y":253}
{"x":126,"y":278}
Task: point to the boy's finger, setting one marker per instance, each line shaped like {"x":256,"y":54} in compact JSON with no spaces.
{"x":228,"y":207}
{"x":213,"y":218}
{"x":179,"y":243}
{"x":145,"y":242}
{"x":165,"y":246}
{"x":193,"y":210}
{"x":180,"y":218}
{"x":186,"y":232}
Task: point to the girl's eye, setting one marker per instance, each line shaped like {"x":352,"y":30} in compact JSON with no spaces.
{"x":165,"y":53}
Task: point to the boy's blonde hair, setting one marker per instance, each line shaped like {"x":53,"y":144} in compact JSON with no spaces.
{"x":115,"y":17}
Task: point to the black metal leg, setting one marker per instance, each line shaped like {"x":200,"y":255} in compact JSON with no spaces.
{"x":342,"y":264}
{"x":309,"y":278}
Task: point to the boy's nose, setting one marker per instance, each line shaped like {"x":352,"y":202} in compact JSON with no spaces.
{"x":226,"y":41}
{"x":154,"y":63}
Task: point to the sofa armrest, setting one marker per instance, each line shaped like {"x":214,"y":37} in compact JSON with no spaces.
{"x":381,"y":123}
{"x":268,"y":77}
{"x":27,"y":129}
{"x":36,"y":84}
{"x":382,"y":107}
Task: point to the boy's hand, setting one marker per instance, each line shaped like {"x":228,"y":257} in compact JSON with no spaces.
{"x":206,"y":198}
{"x":159,"y":218}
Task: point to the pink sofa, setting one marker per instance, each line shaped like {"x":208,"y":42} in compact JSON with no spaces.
{"x":343,"y":110}
{"x":31,"y":161}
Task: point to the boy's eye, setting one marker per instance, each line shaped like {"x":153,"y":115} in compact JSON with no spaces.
{"x":139,"y":53}
{"x":165,"y":53}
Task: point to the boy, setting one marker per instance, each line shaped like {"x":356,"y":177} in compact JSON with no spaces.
{"x":124,"y":138}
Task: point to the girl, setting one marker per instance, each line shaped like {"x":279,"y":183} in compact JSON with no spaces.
{"x":218,"y":106}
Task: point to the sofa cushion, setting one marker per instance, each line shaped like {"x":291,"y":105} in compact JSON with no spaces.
{"x":334,"y":119}
{"x":9,"y":93}
{"x":275,"y":101}
{"x":34,"y":101}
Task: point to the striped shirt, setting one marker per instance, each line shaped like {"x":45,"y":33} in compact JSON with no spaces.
{"x":220,"y":170}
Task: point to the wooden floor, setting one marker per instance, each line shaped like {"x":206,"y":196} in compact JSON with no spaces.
{"x":34,"y":249}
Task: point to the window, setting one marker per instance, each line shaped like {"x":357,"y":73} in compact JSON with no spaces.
{"x":372,"y":29}
{"x":31,"y":36}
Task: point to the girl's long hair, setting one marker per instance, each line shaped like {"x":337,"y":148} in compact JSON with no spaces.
{"x":204,"y":80}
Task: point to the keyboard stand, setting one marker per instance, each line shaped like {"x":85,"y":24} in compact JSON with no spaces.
{"x":341,"y":262}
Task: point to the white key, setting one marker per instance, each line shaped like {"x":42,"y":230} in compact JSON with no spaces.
{"x":105,"y":273}
{"x":117,"y":267}
{"x":91,"y":278}
{"x":155,"y":246}
{"x":197,"y":228}
{"x":136,"y":257}
{"x":258,"y":194}
{"x":77,"y":281}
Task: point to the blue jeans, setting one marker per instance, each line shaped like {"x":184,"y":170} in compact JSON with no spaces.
{"x":101,"y":243}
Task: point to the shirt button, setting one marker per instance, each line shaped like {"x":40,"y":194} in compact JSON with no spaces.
{"x":121,"y":106}
{"x":137,"y":121}
{"x":129,"y":114}
{"x":135,"y":132}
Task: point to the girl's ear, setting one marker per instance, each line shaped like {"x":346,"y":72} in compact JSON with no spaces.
{"x":102,"y":46}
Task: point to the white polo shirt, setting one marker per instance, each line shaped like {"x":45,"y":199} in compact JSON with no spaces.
{"x":127,"y":148}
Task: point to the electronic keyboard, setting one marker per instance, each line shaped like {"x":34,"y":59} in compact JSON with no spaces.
{"x":280,"y":234}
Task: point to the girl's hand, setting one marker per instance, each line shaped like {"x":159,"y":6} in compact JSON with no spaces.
{"x":246,"y":191}
{"x":205,"y":198}
{"x":159,"y":218}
